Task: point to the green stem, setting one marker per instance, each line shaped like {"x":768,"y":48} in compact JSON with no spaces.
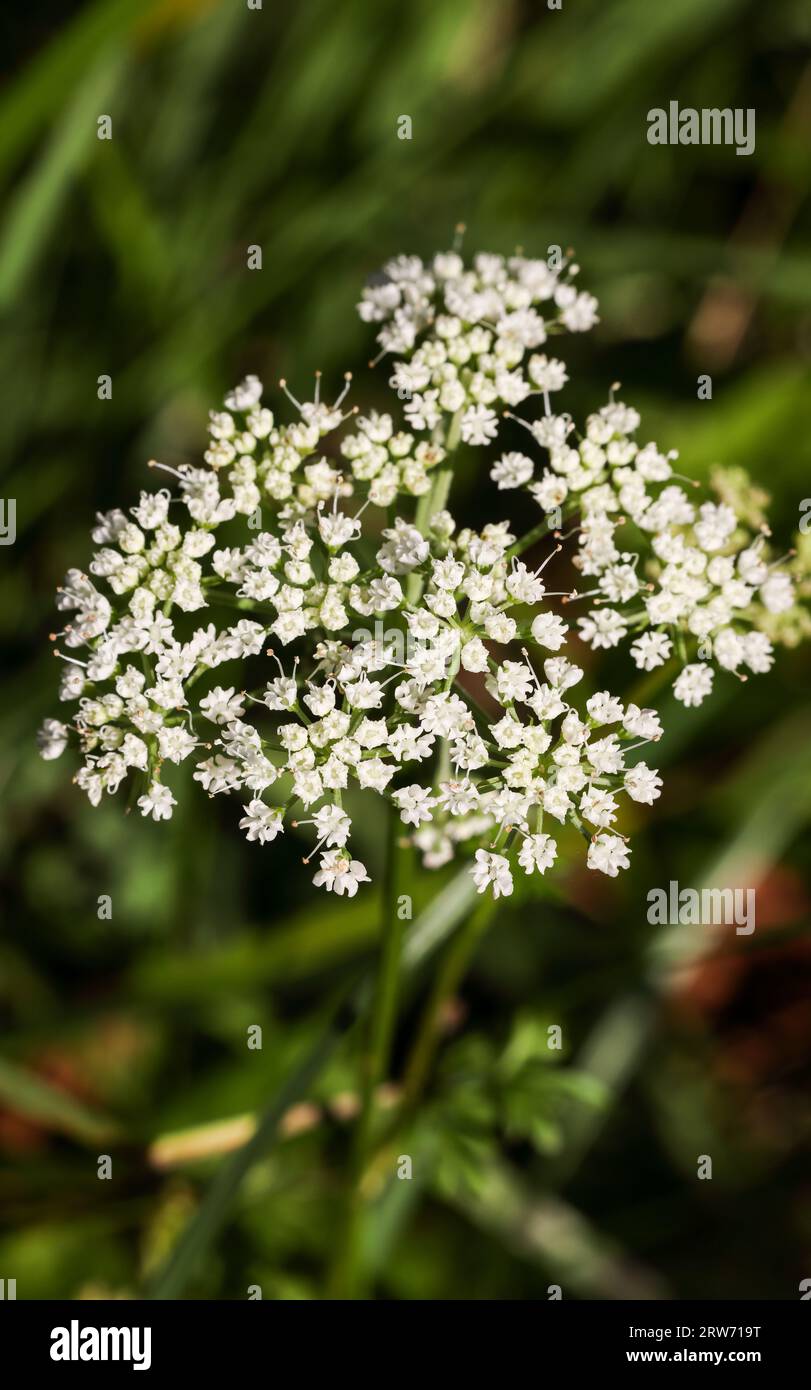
{"x":384,"y":1007}
{"x":451,"y":971}
{"x":245,"y":605}
{"x":434,"y":500}
{"x":652,"y":682}
{"x":427,"y":507}
{"x":454,"y":432}
{"x":431,"y":928}
{"x":347,"y":1277}
{"x":529,"y":538}
{"x":452,"y":968}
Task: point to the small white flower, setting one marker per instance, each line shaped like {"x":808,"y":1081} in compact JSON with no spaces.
{"x":777,"y":593}
{"x":645,"y":723}
{"x":421,"y":410}
{"x":374,"y":773}
{"x":492,"y":868}
{"x":549,"y":631}
{"x":716,"y":524}
{"x":608,"y":853}
{"x":758,"y":652}
{"x":405,"y":548}
{"x":474,"y":656}
{"x":261,"y":823}
{"x":320,"y":700}
{"x":52,"y":739}
{"x":222,"y":706}
{"x":157,"y":802}
{"x":340,"y":874}
{"x":605,"y":708}
{"x":245,"y":396}
{"x":693,"y":684}
{"x":336,"y":529}
{"x":511,"y":471}
{"x":650,"y":650}
{"x":548,"y":373}
{"x":537,"y":852}
{"x":562,"y":673}
{"x":581,"y":314}
{"x":458,"y":798}
{"x":513,"y":681}
{"x":509,"y":732}
{"x":605,"y":756}
{"x":176,"y":743}
{"x":728,"y":649}
{"x":415,"y":804}
{"x":479,"y":425}
{"x":598,"y":807}
{"x":332,"y":826}
{"x":752,"y":566}
{"x":604,"y":627}
{"x":573,"y":730}
{"x":643,"y":783}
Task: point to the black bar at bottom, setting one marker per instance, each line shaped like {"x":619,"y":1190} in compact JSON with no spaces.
{"x":159,"y":1339}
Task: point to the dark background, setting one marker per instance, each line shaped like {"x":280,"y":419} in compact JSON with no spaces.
{"x":128,"y":257}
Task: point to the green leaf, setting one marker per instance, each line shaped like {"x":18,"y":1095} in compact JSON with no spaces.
{"x":35,"y":1098}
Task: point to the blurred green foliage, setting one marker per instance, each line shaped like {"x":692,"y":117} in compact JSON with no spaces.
{"x":234,"y":127}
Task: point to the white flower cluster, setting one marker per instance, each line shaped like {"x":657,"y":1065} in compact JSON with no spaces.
{"x":258,"y":541}
{"x":463,"y":334}
{"x":693,"y":582}
{"x":705,"y":584}
{"x":390,"y":460}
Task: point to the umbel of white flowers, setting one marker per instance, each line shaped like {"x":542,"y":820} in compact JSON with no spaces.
{"x":152,"y":619}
